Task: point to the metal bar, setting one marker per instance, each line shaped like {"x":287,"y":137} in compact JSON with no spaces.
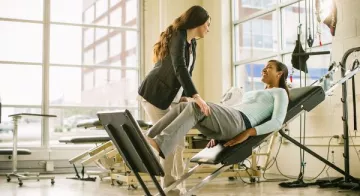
{"x":15,"y":140}
{"x":354,"y":102}
{"x":20,"y":20}
{"x":96,"y":66}
{"x":116,"y":28}
{"x":342,"y":81}
{"x":345,"y":115}
{"x":161,"y":191}
{"x":141,"y":49}
{"x":85,"y":107}
{"x":207,"y":179}
{"x":70,"y":65}
{"x":250,"y":60}
{"x":20,"y":63}
{"x":142,"y":184}
{"x":313,"y":153}
{"x":70,"y":107}
{"x":182,"y":178}
{"x":45,"y":75}
{"x":311,"y":53}
{"x":271,"y":145}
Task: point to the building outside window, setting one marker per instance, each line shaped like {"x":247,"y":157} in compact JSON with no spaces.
{"x":267,"y":29}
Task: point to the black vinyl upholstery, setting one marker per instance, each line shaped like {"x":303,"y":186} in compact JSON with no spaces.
{"x":19,"y":152}
{"x":305,"y":98}
{"x":89,"y":123}
{"x":93,"y":138}
{"x":96,"y":123}
{"x":85,"y":139}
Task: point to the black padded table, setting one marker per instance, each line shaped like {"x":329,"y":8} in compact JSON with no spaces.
{"x":93,"y":138}
{"x":19,"y":151}
{"x":96,"y":123}
{"x":85,"y":139}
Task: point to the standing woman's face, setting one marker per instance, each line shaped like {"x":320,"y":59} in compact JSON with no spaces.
{"x":203,"y":29}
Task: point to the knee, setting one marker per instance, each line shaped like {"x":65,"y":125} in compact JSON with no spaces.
{"x":195,"y":108}
{"x":183,"y":105}
{"x":190,"y":107}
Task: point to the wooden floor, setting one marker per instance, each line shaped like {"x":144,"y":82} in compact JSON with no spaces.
{"x":220,"y":186}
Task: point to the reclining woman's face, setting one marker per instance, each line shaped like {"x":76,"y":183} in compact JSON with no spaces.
{"x":270,"y":75}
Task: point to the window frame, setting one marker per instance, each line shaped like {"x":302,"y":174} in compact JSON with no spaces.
{"x":280,"y":53}
{"x":45,"y":62}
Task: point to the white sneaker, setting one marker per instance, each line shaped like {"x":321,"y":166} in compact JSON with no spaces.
{"x":174,"y":192}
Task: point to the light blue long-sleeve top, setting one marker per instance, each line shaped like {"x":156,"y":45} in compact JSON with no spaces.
{"x":262,"y":104}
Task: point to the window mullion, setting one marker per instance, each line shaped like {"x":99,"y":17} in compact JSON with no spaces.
{"x":45,"y":72}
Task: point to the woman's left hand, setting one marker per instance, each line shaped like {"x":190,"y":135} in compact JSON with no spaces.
{"x":241,"y":137}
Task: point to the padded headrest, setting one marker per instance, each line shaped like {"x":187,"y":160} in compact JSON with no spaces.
{"x":304,"y":98}
{"x":298,"y":94}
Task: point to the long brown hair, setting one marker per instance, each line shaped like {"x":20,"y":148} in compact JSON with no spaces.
{"x":192,"y":18}
{"x":282,"y":67}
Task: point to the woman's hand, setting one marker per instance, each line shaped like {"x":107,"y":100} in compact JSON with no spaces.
{"x":205,"y":109}
{"x":241,"y":137}
{"x":184,"y":99}
{"x":211,"y":143}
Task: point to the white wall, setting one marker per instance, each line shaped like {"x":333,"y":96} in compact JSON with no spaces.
{"x":217,"y":51}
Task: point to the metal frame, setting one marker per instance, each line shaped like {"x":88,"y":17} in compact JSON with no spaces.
{"x":348,"y":177}
{"x":27,"y":175}
{"x":345,"y":76}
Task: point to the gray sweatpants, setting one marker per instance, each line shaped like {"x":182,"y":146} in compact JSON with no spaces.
{"x":173,"y":165}
{"x":224,"y":123}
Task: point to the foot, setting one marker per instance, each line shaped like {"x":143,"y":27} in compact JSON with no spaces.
{"x":174,"y":192}
{"x":152,"y":142}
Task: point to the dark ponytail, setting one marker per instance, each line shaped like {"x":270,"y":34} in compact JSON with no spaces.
{"x":282,"y":67}
{"x":192,"y":18}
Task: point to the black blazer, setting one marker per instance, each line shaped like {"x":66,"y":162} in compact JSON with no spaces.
{"x":163,"y":82}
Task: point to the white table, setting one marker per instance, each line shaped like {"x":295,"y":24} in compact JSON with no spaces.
{"x":24,"y":176}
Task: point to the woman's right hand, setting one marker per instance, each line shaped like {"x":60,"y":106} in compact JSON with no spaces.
{"x":202,"y":105}
{"x":211,"y":143}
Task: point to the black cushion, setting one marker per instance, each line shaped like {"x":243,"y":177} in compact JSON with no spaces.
{"x":96,"y":123}
{"x":85,"y":139}
{"x":89,"y":123}
{"x":19,"y":152}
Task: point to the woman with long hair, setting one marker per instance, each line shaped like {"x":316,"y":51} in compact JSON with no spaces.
{"x":169,"y":82}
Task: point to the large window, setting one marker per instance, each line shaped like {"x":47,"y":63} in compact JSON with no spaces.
{"x":268,"y":29}
{"x":93,"y":64}
{"x":245,"y":8}
{"x":256,"y":37}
